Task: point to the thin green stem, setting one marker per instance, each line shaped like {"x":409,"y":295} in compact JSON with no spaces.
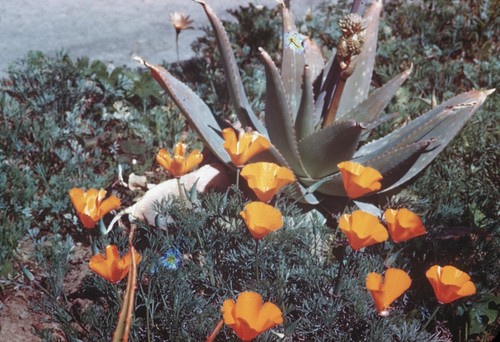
{"x":431,"y":317}
{"x":117,"y":295}
{"x":93,"y":244}
{"x":214,"y":333}
{"x":181,"y":189}
{"x":338,"y":280}
{"x":257,"y":277}
{"x":177,"y":45}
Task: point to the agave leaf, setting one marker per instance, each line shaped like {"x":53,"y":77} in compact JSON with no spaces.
{"x":441,"y":123}
{"x":321,"y":151}
{"x":232,"y":75}
{"x":314,"y":57}
{"x":396,"y":162}
{"x":197,"y":113}
{"x":304,"y":123}
{"x":391,"y":165}
{"x":371,"y":108}
{"x":278,"y":119}
{"x":447,"y":129}
{"x":375,"y":123}
{"x":297,"y":191}
{"x":358,"y":84}
{"x":292,"y":65}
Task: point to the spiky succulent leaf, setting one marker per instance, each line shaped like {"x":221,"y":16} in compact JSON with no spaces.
{"x":304,"y":123}
{"x":292,"y":65}
{"x":232,"y":75}
{"x":463,"y":107}
{"x":391,"y":165}
{"x":321,"y":151}
{"x":278,"y":118}
{"x":314,"y":57}
{"x":358,"y":84}
{"x":371,"y":108}
{"x":197,"y":113}
{"x":394,"y":163}
{"x":298,"y":191}
{"x":441,"y":123}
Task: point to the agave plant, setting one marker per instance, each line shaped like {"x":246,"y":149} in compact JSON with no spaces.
{"x":317,"y":115}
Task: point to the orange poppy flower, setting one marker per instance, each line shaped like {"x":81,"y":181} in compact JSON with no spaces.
{"x":261,"y":219}
{"x":180,"y":164}
{"x":265,"y":179}
{"x":249,"y":317}
{"x":91,"y":206}
{"x":359,"y":180}
{"x":449,"y":283}
{"x":362,"y":229}
{"x":111,"y":267}
{"x":386,"y":291}
{"x":403,"y":224}
{"x":244,"y":147}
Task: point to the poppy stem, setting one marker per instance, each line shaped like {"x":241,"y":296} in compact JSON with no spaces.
{"x":93,"y":244}
{"x":214,"y":333}
{"x":182,"y":194}
{"x":431,"y":317}
{"x":345,"y":262}
{"x":177,"y":44}
{"x":117,"y":295}
{"x":257,"y":261}
{"x":238,"y":178}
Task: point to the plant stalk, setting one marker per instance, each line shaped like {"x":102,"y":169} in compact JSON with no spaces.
{"x":214,"y":333}
{"x":177,"y":32}
{"x":257,"y":277}
{"x":338,"y":281}
{"x":431,"y":317}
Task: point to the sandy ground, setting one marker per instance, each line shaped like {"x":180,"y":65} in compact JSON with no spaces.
{"x":110,"y":30}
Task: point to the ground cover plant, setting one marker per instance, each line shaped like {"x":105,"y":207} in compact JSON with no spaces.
{"x":201,"y":252}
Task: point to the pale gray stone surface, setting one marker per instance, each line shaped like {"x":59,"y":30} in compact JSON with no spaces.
{"x":109,"y":30}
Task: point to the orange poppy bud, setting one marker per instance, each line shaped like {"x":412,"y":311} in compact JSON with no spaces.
{"x":261,"y":219}
{"x":91,"y":206}
{"x":403,"y":224}
{"x":180,"y":164}
{"x":111,"y":267}
{"x":386,"y":291}
{"x":246,"y":146}
{"x":362,"y":229}
{"x":249,"y":317}
{"x":449,"y":283}
{"x":265,"y":179}
{"x":359,"y":180}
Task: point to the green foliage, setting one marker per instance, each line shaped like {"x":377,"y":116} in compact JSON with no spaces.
{"x":254,"y":28}
{"x":297,"y":273}
{"x":67,"y":123}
